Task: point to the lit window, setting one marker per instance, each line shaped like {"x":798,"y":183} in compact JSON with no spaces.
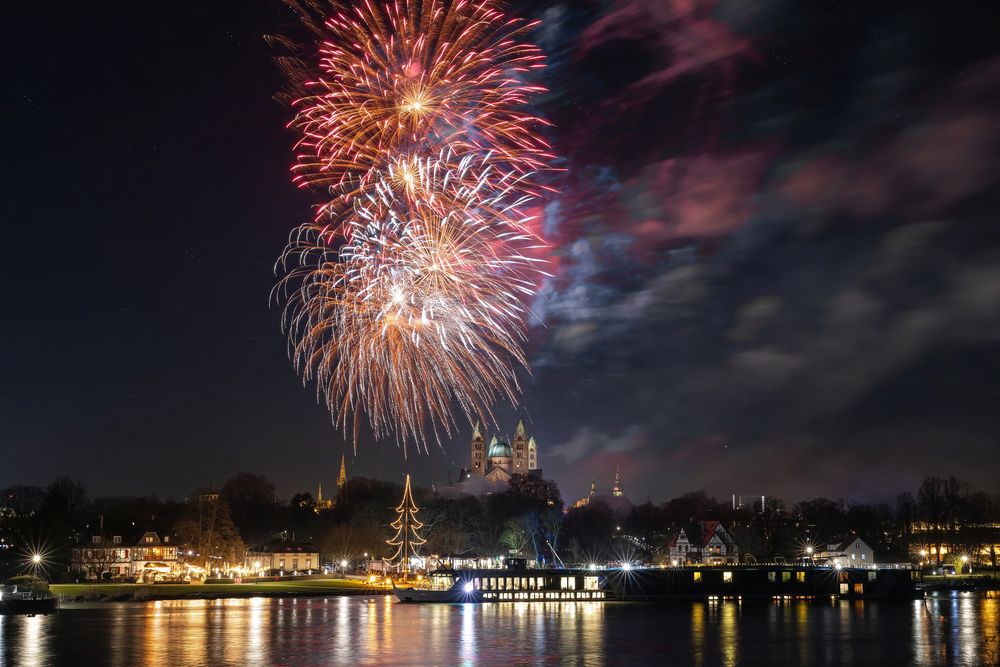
{"x":800,"y":576}
{"x":859,"y":589}
{"x":697,"y":577}
{"x":872,"y":575}
{"x":843,"y":589}
{"x":786,"y":576}
{"x":117,"y":539}
{"x":772,"y":576}
{"x":727,"y":577}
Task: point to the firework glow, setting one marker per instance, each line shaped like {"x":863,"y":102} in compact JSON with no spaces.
{"x":405,"y":297}
{"x":409,"y":78}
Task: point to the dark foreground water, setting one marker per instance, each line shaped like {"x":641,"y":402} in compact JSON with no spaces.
{"x":955,"y":629}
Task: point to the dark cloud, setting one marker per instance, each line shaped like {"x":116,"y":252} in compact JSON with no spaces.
{"x":757,"y":297}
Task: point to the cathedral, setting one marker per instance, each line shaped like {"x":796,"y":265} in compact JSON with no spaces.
{"x":498,"y":460}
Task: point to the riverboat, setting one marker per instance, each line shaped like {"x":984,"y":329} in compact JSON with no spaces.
{"x":506,"y":585}
{"x":730,"y":582}
{"x":13,"y":601}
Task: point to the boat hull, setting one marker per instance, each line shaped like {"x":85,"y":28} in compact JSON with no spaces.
{"x":12,"y":605}
{"x":421,"y":595}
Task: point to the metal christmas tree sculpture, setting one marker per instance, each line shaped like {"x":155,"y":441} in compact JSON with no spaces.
{"x":407,"y":538}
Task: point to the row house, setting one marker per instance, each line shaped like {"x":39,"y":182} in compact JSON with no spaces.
{"x":100,"y":555}
{"x":714,"y":547}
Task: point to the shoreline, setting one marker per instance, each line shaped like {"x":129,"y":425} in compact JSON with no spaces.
{"x":153,"y":592}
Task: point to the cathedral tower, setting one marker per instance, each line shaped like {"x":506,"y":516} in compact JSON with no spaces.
{"x":477,"y":458}
{"x":617,"y":491}
{"x":520,"y":446}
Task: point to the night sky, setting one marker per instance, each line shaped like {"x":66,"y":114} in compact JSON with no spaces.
{"x":776,"y":244}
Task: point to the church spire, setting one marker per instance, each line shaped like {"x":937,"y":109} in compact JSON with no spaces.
{"x":616,"y":490}
{"x":475,"y":431}
{"x":593,"y":488}
{"x":319,"y":495}
{"x":519,"y":431}
{"x":342,"y":478}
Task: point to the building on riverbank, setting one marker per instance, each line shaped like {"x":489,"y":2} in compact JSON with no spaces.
{"x":713,"y":546}
{"x":154,"y":556}
{"x":279,"y":557}
{"x":100,"y":555}
{"x":848,"y":552}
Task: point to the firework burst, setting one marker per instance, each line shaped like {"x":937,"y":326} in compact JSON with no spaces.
{"x":405,"y":297}
{"x":421,"y":305}
{"x":406,"y":78}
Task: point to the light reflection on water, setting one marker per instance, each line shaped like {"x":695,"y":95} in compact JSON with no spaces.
{"x":950,"y":629}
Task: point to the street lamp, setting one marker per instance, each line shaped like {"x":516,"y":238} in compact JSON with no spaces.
{"x":36,"y":558}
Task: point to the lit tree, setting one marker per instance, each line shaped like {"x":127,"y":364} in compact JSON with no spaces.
{"x":407,"y":538}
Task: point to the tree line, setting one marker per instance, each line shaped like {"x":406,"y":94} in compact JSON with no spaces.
{"x":943,"y":518}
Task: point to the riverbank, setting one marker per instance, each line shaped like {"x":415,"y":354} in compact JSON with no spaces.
{"x":986,"y":581}
{"x":142,"y":592}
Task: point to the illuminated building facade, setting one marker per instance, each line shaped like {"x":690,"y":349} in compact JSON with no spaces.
{"x":498,"y":460}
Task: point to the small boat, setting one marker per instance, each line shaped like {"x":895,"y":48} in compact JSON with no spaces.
{"x":13,"y":601}
{"x":515,"y":584}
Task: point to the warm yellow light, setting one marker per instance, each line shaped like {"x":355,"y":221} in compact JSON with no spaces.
{"x":36,"y":558}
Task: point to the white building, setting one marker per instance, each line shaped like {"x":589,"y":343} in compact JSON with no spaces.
{"x":852,"y":552}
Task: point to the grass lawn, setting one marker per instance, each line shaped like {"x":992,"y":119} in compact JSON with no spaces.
{"x":170,"y":591}
{"x":961,"y":578}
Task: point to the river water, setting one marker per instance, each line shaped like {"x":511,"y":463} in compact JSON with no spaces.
{"x":950,"y":629}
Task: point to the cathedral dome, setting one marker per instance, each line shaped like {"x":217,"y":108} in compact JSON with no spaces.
{"x":499,"y":449}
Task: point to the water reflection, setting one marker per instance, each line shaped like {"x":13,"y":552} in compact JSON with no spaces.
{"x":955,"y":629}
{"x":34,"y":641}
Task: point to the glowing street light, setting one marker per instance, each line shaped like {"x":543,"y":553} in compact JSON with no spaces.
{"x":36,"y":558}
{"x":627,"y":566}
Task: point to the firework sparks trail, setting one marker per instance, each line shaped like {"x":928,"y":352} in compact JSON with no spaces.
{"x":405,"y":296}
{"x":422,"y":305}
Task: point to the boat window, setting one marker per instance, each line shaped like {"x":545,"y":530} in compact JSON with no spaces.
{"x":727,"y":577}
{"x":786,"y":576}
{"x":800,"y":576}
{"x":772,"y":576}
{"x":697,"y":577}
{"x":590,"y":584}
{"x":540,"y":581}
